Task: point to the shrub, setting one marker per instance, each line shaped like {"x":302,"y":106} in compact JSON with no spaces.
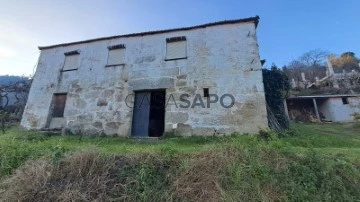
{"x":276,"y":86}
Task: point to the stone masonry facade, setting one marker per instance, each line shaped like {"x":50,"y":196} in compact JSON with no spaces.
{"x":223,"y":57}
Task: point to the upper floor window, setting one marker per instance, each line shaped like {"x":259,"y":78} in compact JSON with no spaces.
{"x":71,"y":60}
{"x":176,"y":48}
{"x":116,"y":55}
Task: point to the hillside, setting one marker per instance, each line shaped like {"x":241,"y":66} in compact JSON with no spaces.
{"x":13,"y":90}
{"x":6,"y":79}
{"x":311,"y":162}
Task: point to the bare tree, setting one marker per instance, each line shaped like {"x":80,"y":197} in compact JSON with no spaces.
{"x":13,"y":111}
{"x":3,"y":106}
{"x":293,"y":70}
{"x":310,"y":63}
{"x":314,"y":58}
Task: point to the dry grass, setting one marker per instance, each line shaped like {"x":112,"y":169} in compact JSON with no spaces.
{"x":201,"y":179}
{"x":258,"y":171}
{"x":88,"y":176}
{"x":228,"y":174}
{"x":28,"y":182}
{"x":84,"y":176}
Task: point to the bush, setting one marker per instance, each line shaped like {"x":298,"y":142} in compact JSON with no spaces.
{"x":276,"y":86}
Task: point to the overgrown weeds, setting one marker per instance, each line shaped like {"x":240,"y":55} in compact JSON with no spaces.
{"x":229,"y":173}
{"x":200,"y":178}
{"x":306,"y":163}
{"x":273,"y":135}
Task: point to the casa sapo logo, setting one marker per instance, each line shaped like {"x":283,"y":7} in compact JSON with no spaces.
{"x":159,"y":100}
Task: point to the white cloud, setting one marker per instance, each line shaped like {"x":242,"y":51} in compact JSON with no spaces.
{"x":7,"y":53}
{"x":18,"y":52}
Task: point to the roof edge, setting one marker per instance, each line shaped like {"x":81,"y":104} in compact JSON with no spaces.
{"x":254,"y":19}
{"x":323,"y":96}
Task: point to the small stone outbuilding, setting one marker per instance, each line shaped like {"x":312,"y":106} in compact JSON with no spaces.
{"x":335,"y":108}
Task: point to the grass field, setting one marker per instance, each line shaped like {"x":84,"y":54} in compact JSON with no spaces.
{"x":310,"y":162}
{"x":332,"y":138}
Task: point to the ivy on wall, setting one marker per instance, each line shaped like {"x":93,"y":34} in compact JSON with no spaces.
{"x":277,"y":87}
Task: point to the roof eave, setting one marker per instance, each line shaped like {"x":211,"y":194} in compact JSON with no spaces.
{"x":322,"y":96}
{"x":255,"y":20}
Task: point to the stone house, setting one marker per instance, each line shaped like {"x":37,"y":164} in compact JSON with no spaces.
{"x":200,"y":80}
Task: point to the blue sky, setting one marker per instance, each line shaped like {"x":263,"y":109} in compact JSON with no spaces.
{"x":287,"y":28}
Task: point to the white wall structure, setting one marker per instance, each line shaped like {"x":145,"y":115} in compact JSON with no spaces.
{"x":336,"y":108}
{"x":221,"y":56}
{"x":340,"y":109}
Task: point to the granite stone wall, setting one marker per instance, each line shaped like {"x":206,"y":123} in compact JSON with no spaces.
{"x":223,"y":58}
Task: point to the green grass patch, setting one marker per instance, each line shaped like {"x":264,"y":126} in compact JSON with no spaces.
{"x":310,"y":162}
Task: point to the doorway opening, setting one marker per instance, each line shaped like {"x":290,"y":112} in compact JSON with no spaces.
{"x":56,"y":116}
{"x":59,"y":101}
{"x":149,"y":114}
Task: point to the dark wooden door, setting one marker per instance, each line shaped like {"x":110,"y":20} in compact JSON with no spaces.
{"x":141,"y":112}
{"x":157,"y":113}
{"x":59,"y":105}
